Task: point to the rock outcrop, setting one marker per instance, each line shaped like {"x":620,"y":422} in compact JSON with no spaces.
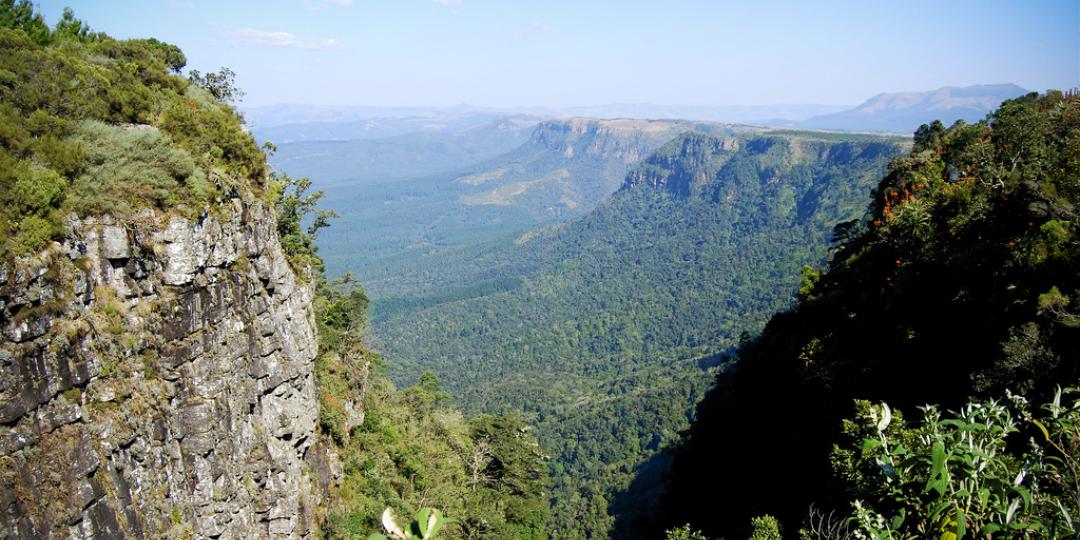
{"x":628,"y":141}
{"x":684,"y":165}
{"x":156,"y":380}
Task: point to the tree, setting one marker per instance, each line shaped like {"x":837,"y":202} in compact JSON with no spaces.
{"x":173,"y":57}
{"x":20,"y":15}
{"x":294,"y":204}
{"x":221,"y":85}
{"x":70,"y":27}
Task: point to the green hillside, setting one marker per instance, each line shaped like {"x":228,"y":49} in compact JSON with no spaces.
{"x":957,"y":284}
{"x":599,"y":329}
{"x":561,"y":172}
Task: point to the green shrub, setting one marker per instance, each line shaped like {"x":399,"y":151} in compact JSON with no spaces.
{"x":130,"y":168}
{"x":75,"y":114}
{"x":37,"y":189}
{"x":958,"y":475}
{"x":684,"y":533}
{"x":33,"y":232}
{"x":764,"y":528}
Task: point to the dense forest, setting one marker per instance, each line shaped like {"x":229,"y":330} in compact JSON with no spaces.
{"x":601,"y":331}
{"x":408,"y":449}
{"x":958,"y":284}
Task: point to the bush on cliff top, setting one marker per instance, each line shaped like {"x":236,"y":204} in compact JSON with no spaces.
{"x":73,"y":109}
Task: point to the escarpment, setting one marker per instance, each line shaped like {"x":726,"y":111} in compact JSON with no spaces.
{"x":156,"y":380}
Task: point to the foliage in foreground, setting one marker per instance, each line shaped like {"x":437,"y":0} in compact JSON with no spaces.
{"x":991,"y":468}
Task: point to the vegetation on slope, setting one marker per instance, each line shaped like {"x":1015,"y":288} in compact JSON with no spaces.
{"x":91,"y":124}
{"x":599,"y":330}
{"x":404,"y":449}
{"x":959,"y":282}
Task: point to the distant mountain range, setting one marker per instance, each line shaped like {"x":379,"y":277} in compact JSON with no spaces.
{"x":899,"y":112}
{"x":290,"y":123}
{"x":904,"y":112}
{"x":732,"y":114}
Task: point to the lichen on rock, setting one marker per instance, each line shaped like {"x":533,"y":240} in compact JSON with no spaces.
{"x":156,"y":380}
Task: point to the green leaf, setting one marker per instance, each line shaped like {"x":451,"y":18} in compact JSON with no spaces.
{"x":1045,"y":432}
{"x":437,"y":523}
{"x":377,"y":536}
{"x":938,"y":480}
{"x":422,"y":519}
{"x":870,"y":444}
{"x":898,"y":520}
{"x":1065,"y":514}
{"x":961,"y":524}
{"x":1026,"y":494}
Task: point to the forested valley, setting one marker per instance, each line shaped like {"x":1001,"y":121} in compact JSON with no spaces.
{"x":469,"y":323}
{"x":605,"y":331}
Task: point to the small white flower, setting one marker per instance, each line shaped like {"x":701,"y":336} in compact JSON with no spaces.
{"x":886,"y":417}
{"x":1012,"y":510}
{"x":1019,"y":478}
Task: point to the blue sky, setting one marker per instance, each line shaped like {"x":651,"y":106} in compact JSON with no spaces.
{"x":577,"y":52}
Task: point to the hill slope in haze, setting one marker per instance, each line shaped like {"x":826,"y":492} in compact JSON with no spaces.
{"x":562,"y":171}
{"x":904,"y":112}
{"x":599,"y":330}
{"x":363,"y":161}
{"x":379,"y":128}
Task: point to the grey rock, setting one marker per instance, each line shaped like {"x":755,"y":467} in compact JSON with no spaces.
{"x":177,"y":383}
{"x":114,"y":242}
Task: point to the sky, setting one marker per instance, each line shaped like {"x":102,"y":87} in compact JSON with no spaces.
{"x":560,"y":53}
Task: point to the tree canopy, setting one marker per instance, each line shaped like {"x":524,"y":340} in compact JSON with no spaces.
{"x":958,"y":282}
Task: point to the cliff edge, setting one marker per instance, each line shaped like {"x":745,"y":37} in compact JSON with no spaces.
{"x":156,"y":380}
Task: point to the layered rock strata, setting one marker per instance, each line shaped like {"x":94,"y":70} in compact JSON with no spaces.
{"x":156,"y":380}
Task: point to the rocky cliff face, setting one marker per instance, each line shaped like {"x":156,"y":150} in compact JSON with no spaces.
{"x":684,"y":165}
{"x":628,"y":141}
{"x":156,"y":381}
{"x":692,"y":164}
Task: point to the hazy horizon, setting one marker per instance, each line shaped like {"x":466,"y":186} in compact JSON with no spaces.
{"x":441,"y":53}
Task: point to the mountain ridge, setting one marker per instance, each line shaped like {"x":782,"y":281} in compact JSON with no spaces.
{"x":903,"y":112}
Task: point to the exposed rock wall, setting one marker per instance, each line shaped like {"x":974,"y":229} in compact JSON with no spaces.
{"x":629,"y":141}
{"x":156,"y":380}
